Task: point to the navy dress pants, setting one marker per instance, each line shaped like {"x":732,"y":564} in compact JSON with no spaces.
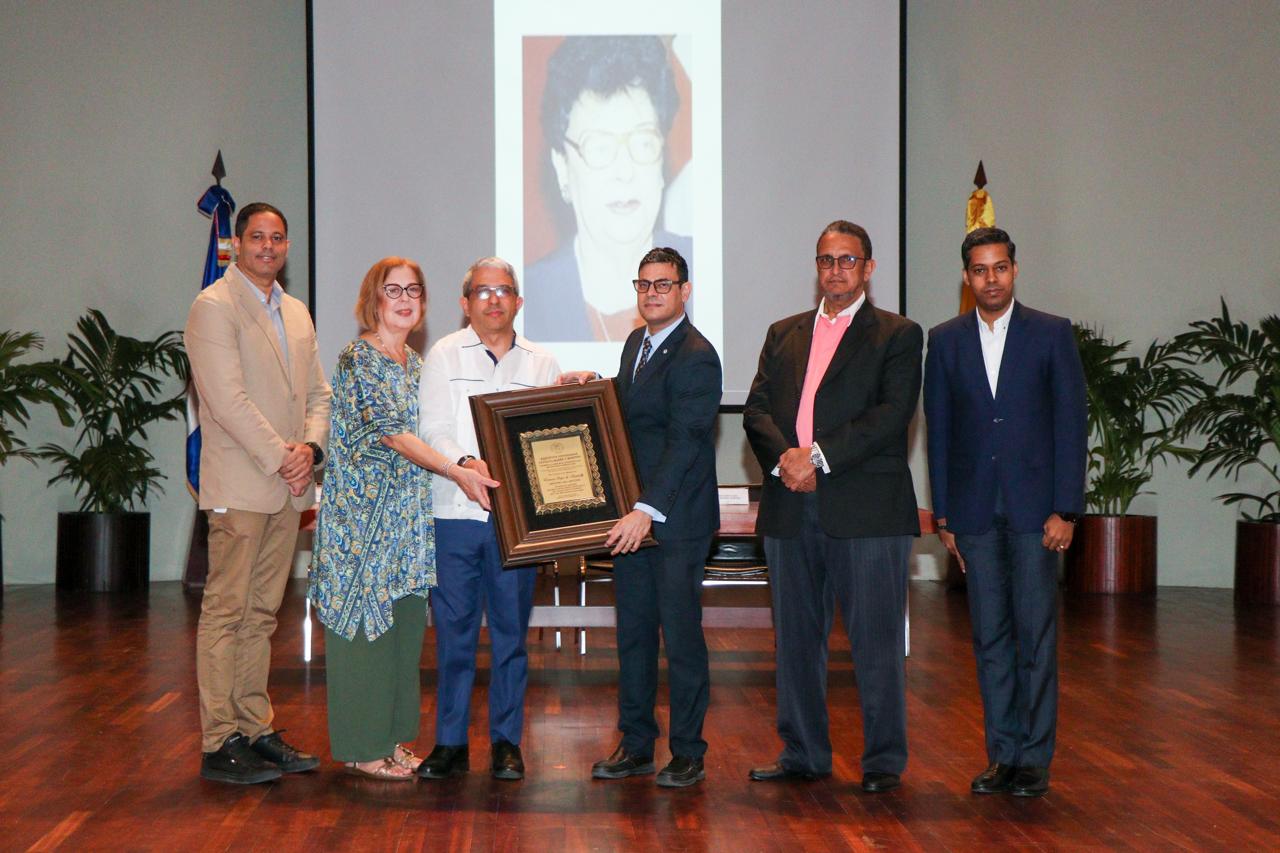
{"x":661,"y":589}
{"x":471,"y":583}
{"x":1012,"y":584}
{"x":867,"y":578}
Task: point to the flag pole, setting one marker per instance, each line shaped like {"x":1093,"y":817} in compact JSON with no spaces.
{"x":218,"y":205}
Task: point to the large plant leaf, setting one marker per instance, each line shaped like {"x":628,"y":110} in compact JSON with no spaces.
{"x":116,"y":384}
{"x":1239,"y":418}
{"x":1136,"y":409}
{"x":23,"y":386}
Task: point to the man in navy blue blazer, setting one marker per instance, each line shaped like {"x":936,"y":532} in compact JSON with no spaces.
{"x":1004,"y":401}
{"x":669,"y":383}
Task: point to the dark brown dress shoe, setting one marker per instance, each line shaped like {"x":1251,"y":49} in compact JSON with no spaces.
{"x":777,"y":773}
{"x":996,"y":779}
{"x":289,"y":759}
{"x":444,"y":762}
{"x":877,"y":783}
{"x":681,"y":772}
{"x":621,"y":765}
{"x":1030,"y":782}
{"x":507,"y":762}
{"x":237,"y":763}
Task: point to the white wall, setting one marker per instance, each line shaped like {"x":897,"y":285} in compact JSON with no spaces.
{"x":1131,"y":152}
{"x":110,"y":116}
{"x":1130,"y":147}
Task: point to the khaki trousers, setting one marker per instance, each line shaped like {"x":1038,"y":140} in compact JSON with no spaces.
{"x":250,"y":557}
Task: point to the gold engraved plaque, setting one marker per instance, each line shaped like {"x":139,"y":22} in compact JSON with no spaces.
{"x":564,"y":474}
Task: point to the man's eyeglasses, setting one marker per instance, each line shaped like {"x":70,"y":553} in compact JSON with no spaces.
{"x":394,"y":291}
{"x":500,"y":291}
{"x":662,"y":285}
{"x":598,"y":148}
{"x":846,"y":262}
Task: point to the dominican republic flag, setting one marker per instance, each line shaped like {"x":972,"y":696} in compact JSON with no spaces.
{"x":218,"y":205}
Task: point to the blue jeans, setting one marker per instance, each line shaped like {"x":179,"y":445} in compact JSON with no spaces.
{"x":1013,"y":606}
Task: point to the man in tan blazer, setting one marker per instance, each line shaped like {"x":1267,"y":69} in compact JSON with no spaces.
{"x":264,"y":416}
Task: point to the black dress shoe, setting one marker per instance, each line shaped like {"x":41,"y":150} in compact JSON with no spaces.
{"x":237,"y":763}
{"x":622,"y":764}
{"x":994,"y":780}
{"x":507,"y":763}
{"x":777,"y":773}
{"x":878,"y":783}
{"x":288,"y":758}
{"x":1030,"y":782}
{"x":444,"y":762}
{"x":681,"y":772}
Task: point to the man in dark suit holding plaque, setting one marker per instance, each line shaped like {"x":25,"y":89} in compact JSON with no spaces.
{"x":669,"y":384}
{"x":827,"y":418}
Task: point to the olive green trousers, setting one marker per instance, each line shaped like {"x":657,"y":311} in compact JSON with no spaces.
{"x":374,"y":691}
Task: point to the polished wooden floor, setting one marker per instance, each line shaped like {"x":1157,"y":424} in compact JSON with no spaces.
{"x":1169,"y":740}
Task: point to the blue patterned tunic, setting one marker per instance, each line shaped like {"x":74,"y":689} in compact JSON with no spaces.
{"x":375,"y":538}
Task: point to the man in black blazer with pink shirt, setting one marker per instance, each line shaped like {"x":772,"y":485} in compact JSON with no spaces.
{"x":827,"y":419}
{"x":669,"y":383}
{"x":1004,"y":402}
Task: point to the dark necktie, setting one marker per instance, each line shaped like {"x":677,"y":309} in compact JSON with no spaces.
{"x":644,"y":356}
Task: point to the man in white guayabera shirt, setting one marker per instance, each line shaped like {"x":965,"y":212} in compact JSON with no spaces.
{"x":485,"y":356}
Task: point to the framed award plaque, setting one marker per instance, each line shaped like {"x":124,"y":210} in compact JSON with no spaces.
{"x":564,"y":460}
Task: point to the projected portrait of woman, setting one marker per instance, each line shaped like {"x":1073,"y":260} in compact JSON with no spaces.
{"x":607,"y":112}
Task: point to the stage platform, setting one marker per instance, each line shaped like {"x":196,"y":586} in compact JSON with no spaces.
{"x":1169,"y":740}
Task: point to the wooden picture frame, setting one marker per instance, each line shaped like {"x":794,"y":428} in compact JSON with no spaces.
{"x":563,"y":457}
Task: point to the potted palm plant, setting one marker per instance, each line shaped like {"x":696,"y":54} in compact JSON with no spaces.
{"x":115,"y":384}
{"x":22,"y":386}
{"x":1136,"y":407}
{"x":1240,"y":421}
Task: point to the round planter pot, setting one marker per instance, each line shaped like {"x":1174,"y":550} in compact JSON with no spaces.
{"x":1258,"y":562}
{"x":103,"y":551}
{"x":1113,"y":554}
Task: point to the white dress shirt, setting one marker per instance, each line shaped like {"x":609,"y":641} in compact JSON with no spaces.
{"x":458,"y":366}
{"x":992,"y":340}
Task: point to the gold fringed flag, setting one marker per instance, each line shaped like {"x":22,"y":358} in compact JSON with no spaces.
{"x":979,"y":213}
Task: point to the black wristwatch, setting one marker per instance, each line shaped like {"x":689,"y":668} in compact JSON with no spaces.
{"x":1070,"y":517}
{"x":462,"y":461}
{"x":317,"y":455}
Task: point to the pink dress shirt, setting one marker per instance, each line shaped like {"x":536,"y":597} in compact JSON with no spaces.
{"x":827,"y":333}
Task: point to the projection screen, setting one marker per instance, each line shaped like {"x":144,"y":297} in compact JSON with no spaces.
{"x":450,"y":131}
